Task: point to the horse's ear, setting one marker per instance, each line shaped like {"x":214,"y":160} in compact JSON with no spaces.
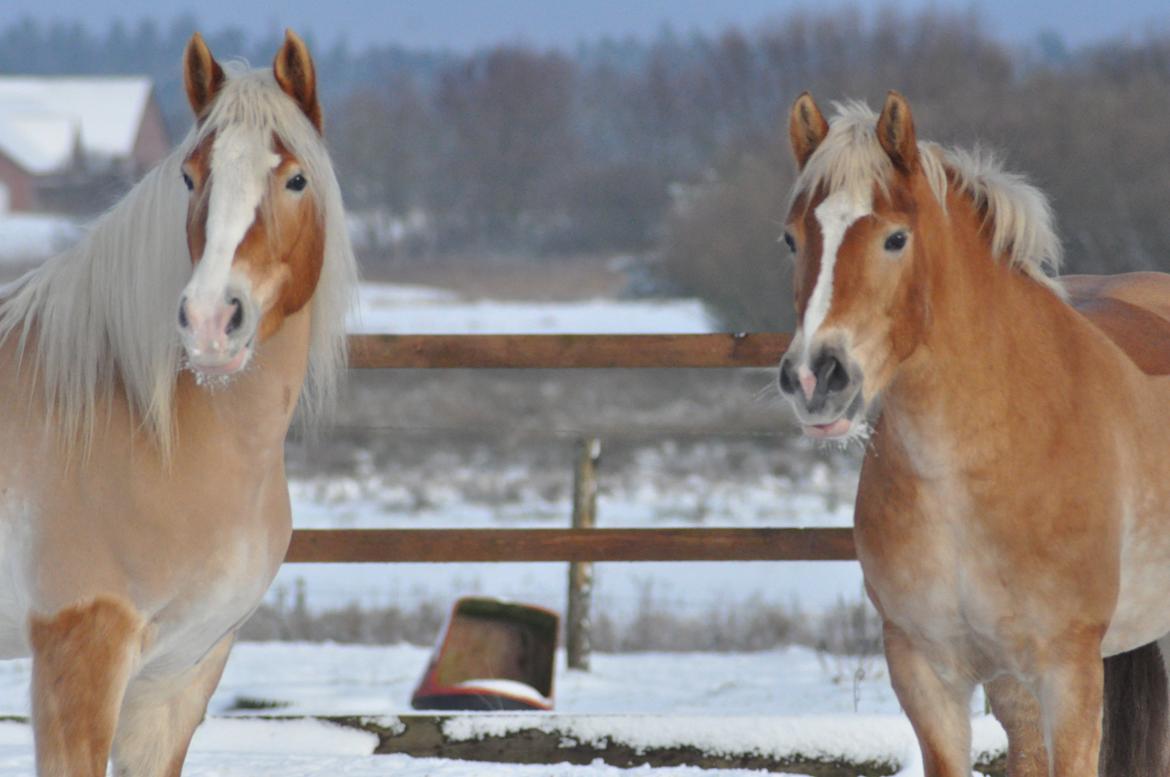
{"x":202,"y":75}
{"x":895,"y":132}
{"x":296,"y":75}
{"x":806,"y":128}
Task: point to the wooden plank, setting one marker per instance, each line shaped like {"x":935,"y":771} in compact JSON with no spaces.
{"x":566,"y":351}
{"x":556,"y":738}
{"x":334,"y":546}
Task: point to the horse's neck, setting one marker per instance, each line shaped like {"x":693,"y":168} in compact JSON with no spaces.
{"x":993,"y":361}
{"x":254,"y":410}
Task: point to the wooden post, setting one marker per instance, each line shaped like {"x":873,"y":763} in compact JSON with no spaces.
{"x":578,"y":623}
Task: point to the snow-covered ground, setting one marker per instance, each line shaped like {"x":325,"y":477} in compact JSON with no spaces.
{"x":330,"y":679}
{"x":769,"y":702}
{"x":30,"y":237}
{"x":388,"y":308}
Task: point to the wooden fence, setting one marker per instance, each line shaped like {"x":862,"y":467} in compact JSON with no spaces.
{"x":711,"y":351}
{"x":422,"y":735}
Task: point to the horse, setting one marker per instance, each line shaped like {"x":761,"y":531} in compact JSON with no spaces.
{"x":148,"y":378}
{"x":1012,"y":518}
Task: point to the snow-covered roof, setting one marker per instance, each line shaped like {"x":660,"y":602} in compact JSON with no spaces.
{"x":38,"y":142}
{"x":44,"y":118}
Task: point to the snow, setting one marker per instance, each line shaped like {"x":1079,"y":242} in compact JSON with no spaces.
{"x":513,"y":688}
{"x":284,"y":737}
{"x":773,"y":703}
{"x":244,"y":748}
{"x":386,"y":308}
{"x":39,"y":142}
{"x":28,"y":237}
{"x":105,"y":112}
{"x":885,"y":739}
{"x":330,"y":679}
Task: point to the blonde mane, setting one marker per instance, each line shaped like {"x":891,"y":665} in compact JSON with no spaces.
{"x":1018,"y":214}
{"x":102,"y":315}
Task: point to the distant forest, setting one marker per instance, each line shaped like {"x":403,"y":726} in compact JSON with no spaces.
{"x":673,"y":149}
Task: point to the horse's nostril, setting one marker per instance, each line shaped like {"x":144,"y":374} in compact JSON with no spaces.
{"x":832,"y":377}
{"x":837,"y":378}
{"x":787,"y":377}
{"x":183,"y":322}
{"x":237,"y":318}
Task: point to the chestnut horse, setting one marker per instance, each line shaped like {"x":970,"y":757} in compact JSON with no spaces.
{"x":1013,"y":514}
{"x":148,"y":378}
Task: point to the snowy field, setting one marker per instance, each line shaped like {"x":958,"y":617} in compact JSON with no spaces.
{"x":769,"y":702}
{"x":371,"y":499}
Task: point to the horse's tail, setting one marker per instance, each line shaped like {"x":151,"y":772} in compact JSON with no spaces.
{"x":1133,"y":743}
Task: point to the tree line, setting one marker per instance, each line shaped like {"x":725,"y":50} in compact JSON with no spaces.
{"x":674,"y":148}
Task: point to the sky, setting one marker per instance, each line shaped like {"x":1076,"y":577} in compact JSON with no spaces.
{"x":467,"y":24}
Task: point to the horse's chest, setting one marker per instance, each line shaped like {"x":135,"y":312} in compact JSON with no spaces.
{"x":214,"y":593}
{"x":920,"y":571}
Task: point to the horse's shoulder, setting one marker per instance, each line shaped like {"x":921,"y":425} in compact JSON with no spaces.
{"x":1133,"y":309}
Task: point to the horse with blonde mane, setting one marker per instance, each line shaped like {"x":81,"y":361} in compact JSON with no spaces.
{"x":1013,"y":513}
{"x":149,"y":376}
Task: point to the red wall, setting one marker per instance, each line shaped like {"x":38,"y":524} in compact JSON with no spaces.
{"x":152,"y":143}
{"x":21,"y":186}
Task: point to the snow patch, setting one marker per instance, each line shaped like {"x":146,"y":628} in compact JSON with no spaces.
{"x":301,"y":737}
{"x":387,"y":308}
{"x":875,"y":739}
{"x":513,"y":688}
{"x":30,"y":237}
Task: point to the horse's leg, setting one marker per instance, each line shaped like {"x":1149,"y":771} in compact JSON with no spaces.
{"x":82,"y":660}
{"x":1018,"y":712}
{"x":938,"y":707}
{"x":159,"y":717}
{"x":1071,"y":694}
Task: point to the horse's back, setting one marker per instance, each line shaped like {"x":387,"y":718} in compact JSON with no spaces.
{"x":1132,"y":309}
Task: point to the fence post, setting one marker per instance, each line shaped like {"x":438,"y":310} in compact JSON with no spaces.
{"x":578,"y":623}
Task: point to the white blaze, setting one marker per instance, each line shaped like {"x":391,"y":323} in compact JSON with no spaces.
{"x":835,"y":214}
{"x":240,"y":164}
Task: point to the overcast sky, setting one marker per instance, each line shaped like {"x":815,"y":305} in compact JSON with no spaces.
{"x":467,"y":24}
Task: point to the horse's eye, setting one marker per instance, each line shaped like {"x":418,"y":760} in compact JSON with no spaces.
{"x":896,"y":241}
{"x":188,"y":182}
{"x":297,"y":183}
{"x":790,"y":241}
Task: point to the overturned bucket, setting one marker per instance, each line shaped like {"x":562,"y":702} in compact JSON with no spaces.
{"x":491,"y":655}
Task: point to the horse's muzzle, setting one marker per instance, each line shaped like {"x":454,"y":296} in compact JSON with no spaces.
{"x":825,"y":391}
{"x":217,"y":334}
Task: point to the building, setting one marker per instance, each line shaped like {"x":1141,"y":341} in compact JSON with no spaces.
{"x":74,"y":144}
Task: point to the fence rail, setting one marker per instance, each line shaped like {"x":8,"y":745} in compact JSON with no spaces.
{"x":566,"y":351}
{"x":332,"y":546}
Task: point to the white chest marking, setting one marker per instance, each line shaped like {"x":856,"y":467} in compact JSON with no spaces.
{"x":835,"y":215}
{"x":240,"y":164}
